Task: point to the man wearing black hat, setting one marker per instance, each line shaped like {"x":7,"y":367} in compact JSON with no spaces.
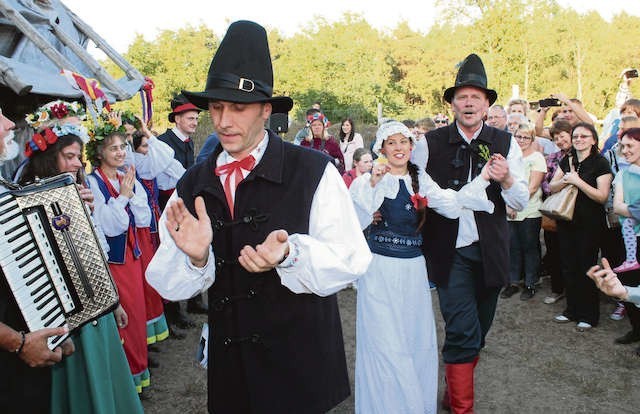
{"x":275,"y":338}
{"x":468,"y":258}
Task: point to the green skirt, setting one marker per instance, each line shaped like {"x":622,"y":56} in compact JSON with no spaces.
{"x":96,"y":378}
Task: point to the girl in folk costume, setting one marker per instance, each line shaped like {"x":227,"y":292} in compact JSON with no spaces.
{"x":396,"y":347}
{"x":96,"y":377}
{"x":149,"y":160}
{"x":120,"y":207}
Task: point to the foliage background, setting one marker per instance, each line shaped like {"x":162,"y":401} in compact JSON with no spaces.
{"x":352,"y":67}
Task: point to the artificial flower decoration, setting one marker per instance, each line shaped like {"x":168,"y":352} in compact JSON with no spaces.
{"x":40,"y":142}
{"x":51,"y":113}
{"x":419,"y":202}
{"x":59,"y":110}
{"x":317,"y":116}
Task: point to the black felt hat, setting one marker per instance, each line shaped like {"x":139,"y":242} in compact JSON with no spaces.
{"x":471,"y":73}
{"x":180,"y":104}
{"x":241,"y":70}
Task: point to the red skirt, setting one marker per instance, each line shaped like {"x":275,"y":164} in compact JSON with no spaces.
{"x":153,"y":300}
{"x":128,"y":278}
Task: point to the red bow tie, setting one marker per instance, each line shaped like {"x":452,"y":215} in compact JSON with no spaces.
{"x":234,"y":168}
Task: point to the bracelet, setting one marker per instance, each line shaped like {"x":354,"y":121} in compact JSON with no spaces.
{"x":19,"y":349}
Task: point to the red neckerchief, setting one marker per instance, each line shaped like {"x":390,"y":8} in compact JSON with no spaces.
{"x":234,"y":168}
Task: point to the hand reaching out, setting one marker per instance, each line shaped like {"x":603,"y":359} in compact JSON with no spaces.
{"x":192,"y":235}
{"x":607,"y":281}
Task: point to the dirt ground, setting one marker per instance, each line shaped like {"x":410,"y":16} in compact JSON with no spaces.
{"x":530,"y":364}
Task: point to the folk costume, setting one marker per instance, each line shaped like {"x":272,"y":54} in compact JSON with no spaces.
{"x":156,"y":162}
{"x":468,"y":257}
{"x":396,"y":346}
{"x":119,"y":216}
{"x":275,"y":338}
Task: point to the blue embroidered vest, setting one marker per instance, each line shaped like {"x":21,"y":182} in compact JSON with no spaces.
{"x":397,"y":235}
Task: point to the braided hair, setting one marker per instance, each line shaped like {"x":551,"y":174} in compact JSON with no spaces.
{"x":415,"y":186}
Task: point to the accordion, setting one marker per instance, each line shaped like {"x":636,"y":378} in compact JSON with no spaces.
{"x":51,"y":257}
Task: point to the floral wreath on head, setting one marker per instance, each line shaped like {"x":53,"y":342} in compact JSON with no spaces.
{"x":44,"y":139}
{"x":53,"y":112}
{"x":128,"y":117}
{"x":103,"y":129}
{"x":317,"y":116}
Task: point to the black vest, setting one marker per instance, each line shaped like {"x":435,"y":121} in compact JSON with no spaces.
{"x":183,"y":151}
{"x":450,"y":158}
{"x":270,"y":351}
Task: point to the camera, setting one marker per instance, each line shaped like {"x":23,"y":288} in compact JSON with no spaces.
{"x":633,"y":73}
{"x":549,"y":102}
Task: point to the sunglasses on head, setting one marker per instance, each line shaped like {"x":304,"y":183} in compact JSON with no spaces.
{"x":441,"y":121}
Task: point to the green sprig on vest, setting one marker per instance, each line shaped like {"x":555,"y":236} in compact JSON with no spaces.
{"x":483,"y":152}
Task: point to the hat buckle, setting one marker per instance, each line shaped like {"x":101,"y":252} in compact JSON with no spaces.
{"x":241,"y":85}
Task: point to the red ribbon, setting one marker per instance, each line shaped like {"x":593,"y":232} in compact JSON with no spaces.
{"x":419,"y":202}
{"x":234,"y":168}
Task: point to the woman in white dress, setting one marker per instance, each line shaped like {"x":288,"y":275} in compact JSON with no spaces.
{"x":396,"y":347}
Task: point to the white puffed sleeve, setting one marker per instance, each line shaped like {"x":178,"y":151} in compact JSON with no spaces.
{"x":155,"y":161}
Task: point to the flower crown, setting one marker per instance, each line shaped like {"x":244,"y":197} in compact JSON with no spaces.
{"x":103,"y":129}
{"x":317,"y":116}
{"x":40,"y":141}
{"x":53,"y":112}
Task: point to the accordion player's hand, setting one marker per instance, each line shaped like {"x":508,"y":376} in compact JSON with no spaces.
{"x":35,"y":352}
{"x":67,"y":347}
{"x":192,"y":235}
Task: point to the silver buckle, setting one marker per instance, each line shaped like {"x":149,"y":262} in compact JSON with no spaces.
{"x":243,"y":81}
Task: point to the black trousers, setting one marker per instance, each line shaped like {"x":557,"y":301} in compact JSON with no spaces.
{"x":579,"y":245}
{"x":552,"y":261}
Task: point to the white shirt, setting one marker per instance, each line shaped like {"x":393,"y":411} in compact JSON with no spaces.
{"x":515,"y":197}
{"x":111,"y":216}
{"x":330,"y":257}
{"x":183,"y":137}
{"x":157,"y":163}
{"x":447,"y":202}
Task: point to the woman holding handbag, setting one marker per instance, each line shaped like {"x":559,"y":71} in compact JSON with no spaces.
{"x":560,"y":132}
{"x":590,"y":173}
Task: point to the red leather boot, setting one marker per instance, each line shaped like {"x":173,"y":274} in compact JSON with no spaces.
{"x":458,"y":394}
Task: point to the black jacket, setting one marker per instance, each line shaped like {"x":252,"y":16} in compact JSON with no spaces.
{"x":271,"y":351}
{"x":183,"y":150}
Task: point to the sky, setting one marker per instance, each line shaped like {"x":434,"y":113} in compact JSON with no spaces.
{"x":118,"y":21}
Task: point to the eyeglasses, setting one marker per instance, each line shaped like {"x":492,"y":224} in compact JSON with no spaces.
{"x":581,"y":136}
{"x":522,"y":138}
{"x":441,"y":121}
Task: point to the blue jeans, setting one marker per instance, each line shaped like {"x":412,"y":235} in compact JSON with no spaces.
{"x":467,"y":307}
{"x":524,"y":238}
